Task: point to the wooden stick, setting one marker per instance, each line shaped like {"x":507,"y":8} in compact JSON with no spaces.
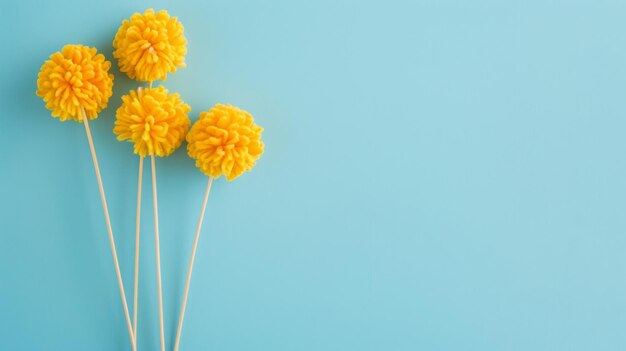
{"x":158,"y":253}
{"x":108,"y":223}
{"x":137,"y":235}
{"x":190,"y":268}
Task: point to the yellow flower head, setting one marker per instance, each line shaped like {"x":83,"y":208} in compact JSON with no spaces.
{"x":149,"y":46}
{"x":77,"y":76}
{"x":225,"y":141}
{"x":154,"y":120}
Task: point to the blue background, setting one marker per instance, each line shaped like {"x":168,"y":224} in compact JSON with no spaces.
{"x":438,"y":175}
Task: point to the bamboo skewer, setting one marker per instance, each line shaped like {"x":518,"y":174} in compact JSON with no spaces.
{"x":109,"y":229}
{"x":191,"y":261}
{"x":137,"y":236}
{"x":137,"y":244}
{"x":158,"y":253}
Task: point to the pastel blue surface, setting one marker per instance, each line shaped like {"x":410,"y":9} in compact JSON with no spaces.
{"x":438,"y":175}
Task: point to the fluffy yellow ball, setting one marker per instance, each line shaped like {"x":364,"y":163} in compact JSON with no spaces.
{"x":225,"y":141}
{"x":154,"y":120}
{"x":77,"y":76}
{"x":150,"y":46}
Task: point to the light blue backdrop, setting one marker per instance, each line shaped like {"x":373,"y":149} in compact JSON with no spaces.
{"x":438,"y":175}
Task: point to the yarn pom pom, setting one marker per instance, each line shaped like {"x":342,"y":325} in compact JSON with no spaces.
{"x":150,"y":45}
{"x":77,"y":76}
{"x":225,"y":141}
{"x":154,"y":120}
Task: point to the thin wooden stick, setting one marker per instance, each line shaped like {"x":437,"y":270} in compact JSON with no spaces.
{"x":137,"y":235}
{"x":158,"y":252}
{"x":108,"y":223}
{"x":190,"y":268}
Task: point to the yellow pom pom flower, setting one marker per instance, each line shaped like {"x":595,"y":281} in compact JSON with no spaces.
{"x":154,"y":120}
{"x":225,"y":141}
{"x":150,"y":46}
{"x":77,"y":76}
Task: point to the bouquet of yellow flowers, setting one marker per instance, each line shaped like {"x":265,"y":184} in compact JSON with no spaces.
{"x":76,"y":84}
